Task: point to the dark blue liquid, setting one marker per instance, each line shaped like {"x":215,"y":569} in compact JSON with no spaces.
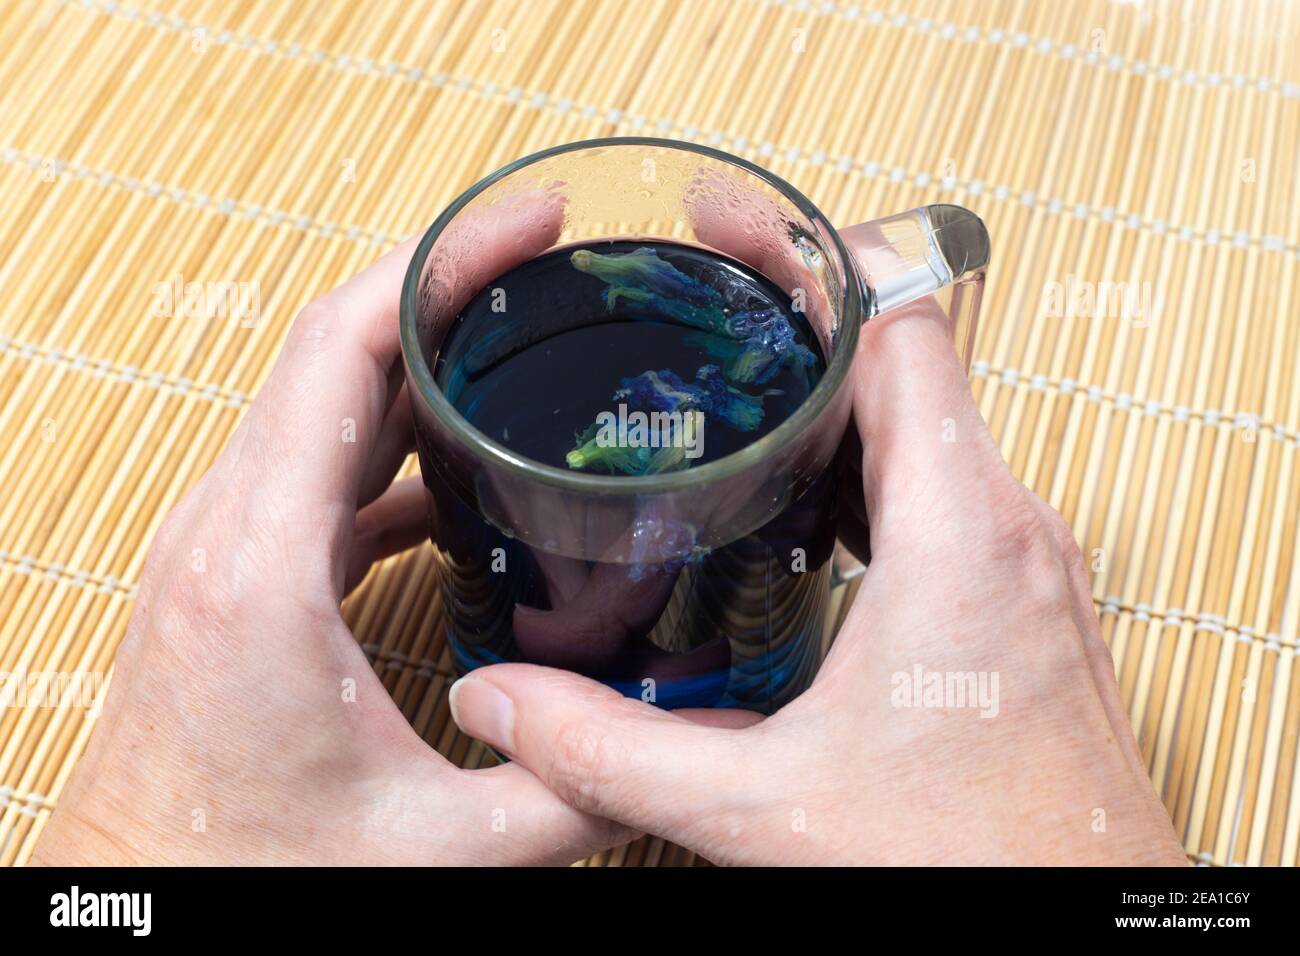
{"x":534,"y":359}
{"x":539,"y":353}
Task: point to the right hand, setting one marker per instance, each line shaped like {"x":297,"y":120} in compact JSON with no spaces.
{"x":970,"y":573}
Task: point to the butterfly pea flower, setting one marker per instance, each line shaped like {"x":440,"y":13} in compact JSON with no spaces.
{"x":740,"y":410}
{"x":664,"y":391}
{"x":593,"y":452}
{"x":605,"y":445}
{"x":751,"y":345}
{"x":754,"y":360}
{"x":643,"y":278}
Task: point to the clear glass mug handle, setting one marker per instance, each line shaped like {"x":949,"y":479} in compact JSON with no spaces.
{"x":940,"y":250}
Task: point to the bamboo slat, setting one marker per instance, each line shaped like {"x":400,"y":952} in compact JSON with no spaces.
{"x":1151,"y":145}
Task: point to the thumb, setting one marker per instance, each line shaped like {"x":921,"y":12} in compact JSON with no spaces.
{"x":611,"y":756}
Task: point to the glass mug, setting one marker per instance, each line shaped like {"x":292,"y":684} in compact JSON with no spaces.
{"x":707,"y":587}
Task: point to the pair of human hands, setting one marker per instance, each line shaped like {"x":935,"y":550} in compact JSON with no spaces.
{"x":245,"y":724}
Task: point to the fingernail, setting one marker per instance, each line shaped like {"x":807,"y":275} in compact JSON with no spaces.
{"x":483,"y":711}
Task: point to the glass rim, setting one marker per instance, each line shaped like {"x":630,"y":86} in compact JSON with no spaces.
{"x":851,"y":317}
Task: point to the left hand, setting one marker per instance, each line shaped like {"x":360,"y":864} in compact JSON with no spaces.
{"x":244,"y":724}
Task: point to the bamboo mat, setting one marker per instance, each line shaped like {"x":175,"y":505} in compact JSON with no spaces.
{"x":1152,"y":146}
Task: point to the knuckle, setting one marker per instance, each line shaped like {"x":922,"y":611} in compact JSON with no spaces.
{"x":1100,"y":652}
{"x":166,"y":547}
{"x":1032,"y":548}
{"x":209,"y":573}
{"x":191,"y":603}
{"x":1076,"y":568}
{"x":1014,"y":521}
{"x":162,"y":551}
{"x":585,"y":766}
{"x":1047,"y":592}
{"x":317,"y":321}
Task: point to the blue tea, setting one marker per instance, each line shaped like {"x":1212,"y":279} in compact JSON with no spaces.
{"x":625,"y":359}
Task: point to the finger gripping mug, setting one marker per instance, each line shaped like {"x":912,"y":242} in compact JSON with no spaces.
{"x":705,"y":586}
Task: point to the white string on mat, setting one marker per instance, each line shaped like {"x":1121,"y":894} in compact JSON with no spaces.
{"x":735,"y":143}
{"x":1125,"y":402}
{"x":28,"y":564}
{"x":1019,"y":39}
{"x":55,"y":167}
{"x":32,"y":802}
{"x":1204,"y":621}
{"x":105,"y":368}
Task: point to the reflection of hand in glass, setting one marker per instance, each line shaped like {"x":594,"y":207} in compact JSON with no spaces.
{"x":600,"y":625}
